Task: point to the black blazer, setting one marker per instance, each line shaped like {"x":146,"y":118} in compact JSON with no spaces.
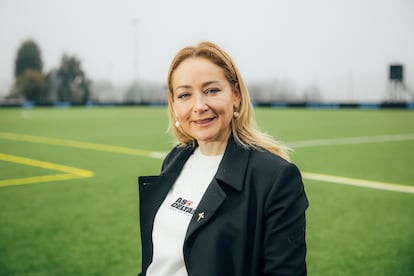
{"x":254,"y":215}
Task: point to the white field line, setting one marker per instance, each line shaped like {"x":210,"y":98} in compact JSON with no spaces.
{"x":355,"y":181}
{"x":358,"y":182}
{"x":352,"y":140}
{"x":339,"y":180}
{"x":345,"y":180}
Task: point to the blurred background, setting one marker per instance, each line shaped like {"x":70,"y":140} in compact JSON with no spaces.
{"x":107,"y":51}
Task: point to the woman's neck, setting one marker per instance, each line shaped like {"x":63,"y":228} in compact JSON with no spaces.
{"x":212,"y":148}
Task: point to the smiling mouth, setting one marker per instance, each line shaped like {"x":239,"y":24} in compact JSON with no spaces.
{"x":203,"y":121}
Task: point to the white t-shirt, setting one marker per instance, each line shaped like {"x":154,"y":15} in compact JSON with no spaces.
{"x":174,"y":215}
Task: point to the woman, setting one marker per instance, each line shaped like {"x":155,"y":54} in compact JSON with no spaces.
{"x":227,"y":201}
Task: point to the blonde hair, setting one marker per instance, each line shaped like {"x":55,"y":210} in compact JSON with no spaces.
{"x":244,"y":128}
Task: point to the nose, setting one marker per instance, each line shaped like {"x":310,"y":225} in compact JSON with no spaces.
{"x":200,"y":103}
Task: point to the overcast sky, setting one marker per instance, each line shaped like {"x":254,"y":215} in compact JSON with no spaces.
{"x":342,"y":47}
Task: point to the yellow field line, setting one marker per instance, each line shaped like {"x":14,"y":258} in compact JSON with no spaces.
{"x":77,"y":144}
{"x":160,"y":155}
{"x":70,"y":172}
{"x":37,"y":179}
{"x":45,"y":165}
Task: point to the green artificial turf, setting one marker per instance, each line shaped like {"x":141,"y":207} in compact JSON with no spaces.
{"x":89,"y":226}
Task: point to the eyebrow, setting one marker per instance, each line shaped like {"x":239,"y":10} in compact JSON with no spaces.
{"x":185,"y":86}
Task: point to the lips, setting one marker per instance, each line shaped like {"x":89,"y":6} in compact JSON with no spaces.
{"x":203,"y":121}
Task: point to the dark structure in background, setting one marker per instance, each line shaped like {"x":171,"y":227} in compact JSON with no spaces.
{"x":398,"y":91}
{"x":397,"y":72}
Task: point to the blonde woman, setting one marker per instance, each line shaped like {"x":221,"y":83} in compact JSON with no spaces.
{"x":227,"y":201}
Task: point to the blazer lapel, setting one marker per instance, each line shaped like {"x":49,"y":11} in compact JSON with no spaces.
{"x":154,"y":189}
{"x":230,"y":172}
{"x":209,"y":204}
{"x":152,"y":192}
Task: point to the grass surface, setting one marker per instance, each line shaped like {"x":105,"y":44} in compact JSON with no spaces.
{"x":89,"y":226}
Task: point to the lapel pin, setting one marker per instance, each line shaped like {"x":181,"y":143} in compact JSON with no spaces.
{"x":200,"y":216}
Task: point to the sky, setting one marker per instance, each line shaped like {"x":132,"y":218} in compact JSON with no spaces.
{"x":344,"y":48}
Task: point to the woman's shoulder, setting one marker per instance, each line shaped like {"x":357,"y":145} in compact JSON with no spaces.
{"x":264,"y":162}
{"x":274,"y":173}
{"x":267,"y":159}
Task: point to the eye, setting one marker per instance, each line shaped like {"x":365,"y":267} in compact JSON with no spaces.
{"x":183,"y":95}
{"x":212,"y":91}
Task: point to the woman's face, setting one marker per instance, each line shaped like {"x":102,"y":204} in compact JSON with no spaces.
{"x":203,"y":100}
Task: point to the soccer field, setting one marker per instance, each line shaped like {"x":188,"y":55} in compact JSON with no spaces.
{"x":69,"y":196}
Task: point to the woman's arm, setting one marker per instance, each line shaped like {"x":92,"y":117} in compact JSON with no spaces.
{"x":284,"y":239}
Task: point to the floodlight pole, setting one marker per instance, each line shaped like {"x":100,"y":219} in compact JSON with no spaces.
{"x":135,"y":23}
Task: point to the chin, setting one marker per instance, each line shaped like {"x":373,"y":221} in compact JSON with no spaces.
{"x":210,"y":138}
{"x":205,"y":139}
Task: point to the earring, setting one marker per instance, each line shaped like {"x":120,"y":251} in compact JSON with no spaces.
{"x":177,"y":124}
{"x":236,"y":114}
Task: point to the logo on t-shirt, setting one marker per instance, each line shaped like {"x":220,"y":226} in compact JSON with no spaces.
{"x":183,"y":206}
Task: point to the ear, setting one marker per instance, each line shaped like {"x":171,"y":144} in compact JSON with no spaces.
{"x":236,"y":97}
